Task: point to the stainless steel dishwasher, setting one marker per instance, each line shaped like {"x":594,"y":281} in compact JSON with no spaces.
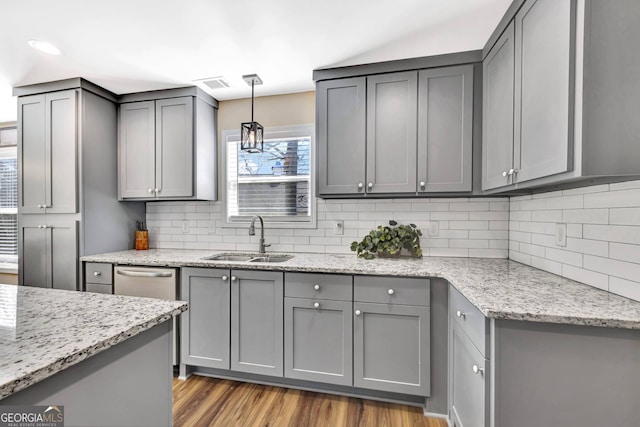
{"x":147,"y":282}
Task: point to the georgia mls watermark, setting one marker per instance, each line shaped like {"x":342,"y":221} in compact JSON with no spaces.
{"x":32,"y":416}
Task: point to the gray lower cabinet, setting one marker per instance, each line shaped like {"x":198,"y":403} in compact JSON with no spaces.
{"x":257,"y":323}
{"x":341,"y":121}
{"x":167,"y":146}
{"x":469,"y":382}
{"x":48,"y":252}
{"x":318,"y":340}
{"x":392,"y":334}
{"x":445,"y":126}
{"x":98,"y":277}
{"x":205,"y":327}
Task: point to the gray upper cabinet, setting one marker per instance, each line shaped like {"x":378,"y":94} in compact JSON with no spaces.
{"x":391,"y":132}
{"x":167,"y":146}
{"x":341,"y":113}
{"x":205,"y":327}
{"x":544,"y":82}
{"x":137,"y":160}
{"x":257,"y":324}
{"x":48,"y":152}
{"x":401,"y":133}
{"x":445,"y":125}
{"x":498,"y":112}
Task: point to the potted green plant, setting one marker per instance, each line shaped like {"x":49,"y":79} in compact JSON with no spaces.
{"x":389,"y":241}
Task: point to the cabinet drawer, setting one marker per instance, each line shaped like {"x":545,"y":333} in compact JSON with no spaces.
{"x":318,"y":286}
{"x":391,"y":290}
{"x":470,"y":319}
{"x":99,"y":288}
{"x":98,"y":273}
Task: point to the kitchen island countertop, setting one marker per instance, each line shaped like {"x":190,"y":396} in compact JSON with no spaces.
{"x":45,"y":331}
{"x":499,"y":288}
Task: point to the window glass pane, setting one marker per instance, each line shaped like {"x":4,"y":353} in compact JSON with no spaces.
{"x":8,"y":205}
{"x":274,"y":183}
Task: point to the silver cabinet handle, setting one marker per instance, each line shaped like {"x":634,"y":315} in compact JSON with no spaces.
{"x":44,"y":226}
{"x":40,"y":206}
{"x":504,"y":174}
{"x":370,"y":185}
{"x":513,"y":171}
{"x":156,"y":190}
{"x":134,"y":273}
{"x":41,"y":226}
{"x":360,"y":186}
{"x":224,"y":278}
{"x":316,"y":287}
{"x":390,"y":292}
{"x":358,"y":312}
{"x":234,"y":278}
{"x":461,"y":314}
{"x":97,"y":273}
{"x":316,"y":305}
{"x":477,"y":369}
{"x":423,"y":184}
{"x":150,"y":190}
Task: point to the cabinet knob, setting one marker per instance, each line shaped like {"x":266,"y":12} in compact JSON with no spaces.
{"x":504,"y":174}
{"x":316,"y":305}
{"x":358,"y":312}
{"x":224,"y":278}
{"x":423,"y":184}
{"x":511,"y":171}
{"x":477,"y":369}
{"x":234,"y":278}
{"x":390,"y":292}
{"x":316,"y":287}
{"x":150,"y":190}
{"x":370,"y":185}
{"x":156,"y":190}
{"x":40,"y":206}
{"x":97,"y":273}
{"x":460,"y":314}
{"x":360,"y":186}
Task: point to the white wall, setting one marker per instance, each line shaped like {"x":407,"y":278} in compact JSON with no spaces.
{"x":475,"y":227}
{"x":603,"y":229}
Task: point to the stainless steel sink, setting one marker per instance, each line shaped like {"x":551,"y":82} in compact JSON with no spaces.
{"x":271,"y":258}
{"x":248,"y":257}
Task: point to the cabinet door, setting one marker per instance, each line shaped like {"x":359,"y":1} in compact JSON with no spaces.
{"x":341,"y":125}
{"x":318,"y":340}
{"x":544,"y":88}
{"x":174,"y":147}
{"x":205,"y":327}
{"x":391,"y":345}
{"x":32,"y":259}
{"x":32,"y":153}
{"x":497,"y":111}
{"x":445,"y":125}
{"x":257,"y":322}
{"x":62,"y":244}
{"x":469,"y":381}
{"x":136,"y":150}
{"x":392,"y":109}
{"x":61,"y":136}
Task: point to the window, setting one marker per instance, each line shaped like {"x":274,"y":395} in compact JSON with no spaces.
{"x":276,"y":183}
{"x":8,"y":196}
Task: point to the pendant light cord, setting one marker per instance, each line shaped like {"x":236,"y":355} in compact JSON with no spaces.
{"x":252,"y":83}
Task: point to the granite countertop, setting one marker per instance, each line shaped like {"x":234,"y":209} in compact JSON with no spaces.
{"x":499,"y":288}
{"x":44,"y":331}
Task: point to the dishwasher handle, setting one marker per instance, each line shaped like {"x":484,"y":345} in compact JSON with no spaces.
{"x":134,"y":273}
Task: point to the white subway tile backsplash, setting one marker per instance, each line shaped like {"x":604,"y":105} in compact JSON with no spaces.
{"x":603,"y":235}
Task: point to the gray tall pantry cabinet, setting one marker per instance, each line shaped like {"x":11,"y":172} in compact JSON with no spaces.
{"x":407,"y":132}
{"x":67,"y":184}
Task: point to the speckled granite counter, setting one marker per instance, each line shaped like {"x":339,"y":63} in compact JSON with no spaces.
{"x":501,"y":289}
{"x":44,"y":331}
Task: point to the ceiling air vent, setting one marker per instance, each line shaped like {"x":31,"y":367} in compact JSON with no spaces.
{"x":214,"y":82}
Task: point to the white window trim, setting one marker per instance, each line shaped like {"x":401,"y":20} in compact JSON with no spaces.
{"x":272,"y":133}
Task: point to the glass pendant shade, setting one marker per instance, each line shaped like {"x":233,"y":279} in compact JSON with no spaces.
{"x":252,"y":137}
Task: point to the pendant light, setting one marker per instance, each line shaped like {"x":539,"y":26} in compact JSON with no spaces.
{"x":252,"y":133}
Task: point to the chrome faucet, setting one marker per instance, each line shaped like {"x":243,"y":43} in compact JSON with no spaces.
{"x":252,"y":232}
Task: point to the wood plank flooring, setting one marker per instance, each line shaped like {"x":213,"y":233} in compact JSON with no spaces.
{"x":202,"y":401}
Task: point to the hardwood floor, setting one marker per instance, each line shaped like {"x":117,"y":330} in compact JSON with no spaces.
{"x":202,"y":401}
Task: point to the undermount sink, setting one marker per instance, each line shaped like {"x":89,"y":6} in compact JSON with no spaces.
{"x":248,"y":258}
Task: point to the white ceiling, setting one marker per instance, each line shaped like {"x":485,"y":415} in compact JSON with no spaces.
{"x":136,"y":45}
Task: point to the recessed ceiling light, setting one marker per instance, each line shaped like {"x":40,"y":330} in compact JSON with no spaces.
{"x":45,"y":47}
